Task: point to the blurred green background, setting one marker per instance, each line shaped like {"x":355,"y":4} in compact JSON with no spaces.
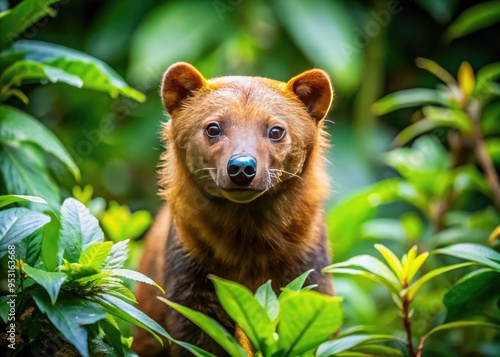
{"x":368,"y":47}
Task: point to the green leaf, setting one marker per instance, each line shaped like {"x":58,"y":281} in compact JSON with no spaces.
{"x":18,"y":223}
{"x":473,"y":252}
{"x":392,"y":260}
{"x":79,"y":230}
{"x":325,"y":38}
{"x":135,"y":275}
{"x":195,"y":350}
{"x":266,"y":296}
{"x":113,"y":334}
{"x":28,"y":250}
{"x":485,"y":77}
{"x":342,"y":344}
{"x":471,"y":294}
{"x":211,"y":328}
{"x":9,"y":199}
{"x":450,"y":236}
{"x":25,"y":71}
{"x":24,"y":172}
{"x":456,"y":324}
{"x":415,"y":287}
{"x":373,"y":265}
{"x":473,"y":19}
{"x":435,"y":117}
{"x":95,"y":254}
{"x":243,"y":308}
{"x":50,"y":281}
{"x":307,"y":319}
{"x":120,"y":224}
{"x":363,"y":274}
{"x":94,"y":73}
{"x":117,"y":256}
{"x":21,"y":17}
{"x":409,"y":98}
{"x":297,"y":283}
{"x":69,"y":316}
{"x":129,"y":313}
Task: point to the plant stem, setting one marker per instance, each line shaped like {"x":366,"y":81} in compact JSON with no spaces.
{"x":407,"y":324}
{"x":485,"y":162}
{"x":421,"y":345}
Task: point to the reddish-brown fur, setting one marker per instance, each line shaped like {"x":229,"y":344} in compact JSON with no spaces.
{"x":273,"y":229}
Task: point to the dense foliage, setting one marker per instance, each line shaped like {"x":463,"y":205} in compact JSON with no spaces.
{"x":414,"y":221}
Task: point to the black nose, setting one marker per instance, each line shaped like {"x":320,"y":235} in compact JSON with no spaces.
{"x":241,"y":169}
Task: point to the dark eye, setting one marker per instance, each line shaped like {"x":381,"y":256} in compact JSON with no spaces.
{"x":276,"y":133}
{"x":213,"y":130}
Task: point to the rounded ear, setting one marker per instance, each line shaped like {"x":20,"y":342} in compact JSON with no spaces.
{"x":314,"y":90}
{"x":180,"y":81}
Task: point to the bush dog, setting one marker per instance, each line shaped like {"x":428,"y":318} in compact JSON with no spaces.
{"x":244,"y":179}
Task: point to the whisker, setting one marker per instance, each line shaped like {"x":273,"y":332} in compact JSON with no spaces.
{"x":286,"y":172}
{"x":205,"y":168}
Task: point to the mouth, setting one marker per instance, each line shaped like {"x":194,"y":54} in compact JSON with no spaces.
{"x":240,"y":195}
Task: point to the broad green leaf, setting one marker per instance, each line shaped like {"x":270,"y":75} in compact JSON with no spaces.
{"x":392,"y":260}
{"x":363,"y":274}
{"x":95,"y":254}
{"x":93,"y":73}
{"x":112,"y":286}
{"x":79,"y":230}
{"x":409,"y":98}
{"x":69,"y":316}
{"x":25,"y":172}
{"x":345,"y":220}
{"x":113,"y":334}
{"x":50,"y":281}
{"x":25,"y":70}
{"x":9,"y":199}
{"x":21,"y":17}
{"x":117,"y":256}
{"x":210,"y":327}
{"x":307,"y":319}
{"x":471,"y":294}
{"x":342,"y":344}
{"x":129,"y":313}
{"x":77,"y":271}
{"x":4,"y":308}
{"x":376,"y":350}
{"x":473,"y":252}
{"x":415,"y":287}
{"x":372,"y":265}
{"x":416,"y":129}
{"x":266,"y":296}
{"x":459,"y":235}
{"x":18,"y":223}
{"x":473,"y":19}
{"x":135,"y":275}
{"x":243,"y":308}
{"x":48,"y":250}
{"x":325,"y":38}
{"x":28,"y":250}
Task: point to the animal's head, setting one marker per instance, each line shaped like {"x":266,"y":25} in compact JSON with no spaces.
{"x":239,"y":137}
